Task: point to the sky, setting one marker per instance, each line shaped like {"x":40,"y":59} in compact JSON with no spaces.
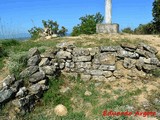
{"x":18,"y":16}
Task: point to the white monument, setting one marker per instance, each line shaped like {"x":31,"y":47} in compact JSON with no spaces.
{"x":108,"y":26}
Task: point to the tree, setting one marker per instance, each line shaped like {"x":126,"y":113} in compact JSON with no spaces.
{"x":127,"y":30}
{"x":144,"y":29}
{"x":156,"y":15}
{"x":88,"y":24}
{"x":50,"y":27}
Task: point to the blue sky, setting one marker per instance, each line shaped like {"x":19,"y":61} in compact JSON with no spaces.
{"x":17,"y":16}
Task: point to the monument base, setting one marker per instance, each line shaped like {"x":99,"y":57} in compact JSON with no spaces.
{"x":107,"y":28}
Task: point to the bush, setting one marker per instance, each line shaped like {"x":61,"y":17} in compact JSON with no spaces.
{"x":87,"y":25}
{"x":156,"y":15}
{"x":50,"y":28}
{"x":145,"y":29}
{"x":35,"y":32}
{"x":127,"y":30}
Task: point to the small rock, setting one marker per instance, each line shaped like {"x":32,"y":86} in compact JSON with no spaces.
{"x":44,"y":61}
{"x":32,"y":52}
{"x":5,"y":95}
{"x":87,"y":93}
{"x":63,"y":55}
{"x":8,"y":80}
{"x":60,"y":110}
{"x":64,"y":89}
{"x":107,"y":74}
{"x":22,"y":92}
{"x":85,"y":77}
{"x":29,"y":71}
{"x":33,"y":61}
{"x":37,"y":77}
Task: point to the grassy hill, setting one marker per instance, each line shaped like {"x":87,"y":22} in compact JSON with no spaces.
{"x":121,"y":95}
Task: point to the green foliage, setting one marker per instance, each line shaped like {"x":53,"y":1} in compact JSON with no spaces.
{"x":53,"y":96}
{"x":17,"y":62}
{"x":145,"y":29}
{"x":156,"y":72}
{"x":53,"y":27}
{"x":156,"y":15}
{"x":35,"y":32}
{"x":87,"y":25}
{"x":127,"y":30}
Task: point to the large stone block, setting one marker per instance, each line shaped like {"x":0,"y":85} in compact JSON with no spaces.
{"x":107,"y":28}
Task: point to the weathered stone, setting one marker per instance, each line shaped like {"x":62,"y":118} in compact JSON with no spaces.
{"x":81,"y":52}
{"x":67,"y":64}
{"x":107,"y":67}
{"x":61,"y":65}
{"x":111,"y":79}
{"x":25,"y":104}
{"x":35,"y":88}
{"x":72,"y":65}
{"x":107,"y":74}
{"x":50,"y":55}
{"x":139,"y":64}
{"x":75,"y":75}
{"x":34,"y":60}
{"x":80,"y":70}
{"x":36,"y":77}
{"x":110,"y":48}
{"x":32,"y":52}
{"x":129,"y":63}
{"x":64,"y":89}
{"x":99,"y":78}
{"x":65,"y":45}
{"x":107,"y":59}
{"x":48,"y":70}
{"x":29,"y":71}
{"x":149,"y":48}
{"x":86,"y":65}
{"x":87,"y":93}
{"x":123,"y":53}
{"x":63,"y":55}
{"x":82,"y":59}
{"x":94,"y":51}
{"x":44,"y":61}
{"x":95,"y":66}
{"x":15,"y":87}
{"x":95,"y":72}
{"x":8,"y":80}
{"x":130,"y":46}
{"x":147,"y":68}
{"x":22,"y":92}
{"x":85,"y":77}
{"x":60,"y":110}
{"x":145,"y":53}
{"x":5,"y":95}
{"x":153,"y":61}
{"x":118,"y":74}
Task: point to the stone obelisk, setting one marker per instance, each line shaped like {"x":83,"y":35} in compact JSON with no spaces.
{"x":108,"y":11}
{"x":108,"y":26}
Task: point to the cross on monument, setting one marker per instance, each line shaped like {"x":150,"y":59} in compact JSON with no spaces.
{"x":108,"y":26}
{"x":108,"y":11}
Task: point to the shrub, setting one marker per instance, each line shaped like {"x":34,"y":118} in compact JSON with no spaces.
{"x":145,"y":29}
{"x":87,"y":25}
{"x":50,"y":28}
{"x":127,"y":30}
{"x":35,"y":32}
{"x":156,"y":15}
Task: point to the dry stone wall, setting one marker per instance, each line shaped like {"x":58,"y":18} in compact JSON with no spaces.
{"x":105,"y":63}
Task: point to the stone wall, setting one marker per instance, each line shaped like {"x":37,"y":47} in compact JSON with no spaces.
{"x":105,"y":63}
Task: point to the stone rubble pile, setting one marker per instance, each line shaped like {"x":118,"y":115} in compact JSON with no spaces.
{"x":105,"y":63}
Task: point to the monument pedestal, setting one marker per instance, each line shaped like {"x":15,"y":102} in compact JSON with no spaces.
{"x":107,"y":28}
